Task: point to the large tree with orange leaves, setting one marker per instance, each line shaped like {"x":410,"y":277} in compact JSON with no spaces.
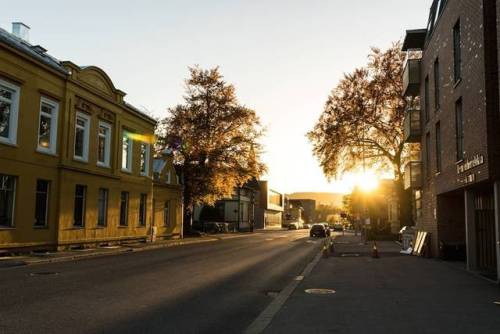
{"x":362,"y":121}
{"x":215,"y":139}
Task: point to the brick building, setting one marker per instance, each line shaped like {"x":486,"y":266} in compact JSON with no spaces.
{"x":451,"y":77}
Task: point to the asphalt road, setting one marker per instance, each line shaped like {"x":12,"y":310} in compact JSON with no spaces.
{"x":216,"y":287}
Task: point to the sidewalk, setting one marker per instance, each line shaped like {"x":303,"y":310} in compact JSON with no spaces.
{"x":393,"y":294}
{"x":70,"y":255}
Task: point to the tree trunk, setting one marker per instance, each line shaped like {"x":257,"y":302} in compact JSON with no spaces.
{"x":188,"y":215}
{"x":405,"y":205}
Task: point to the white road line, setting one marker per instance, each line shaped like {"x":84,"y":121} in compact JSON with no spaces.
{"x":265,"y":318}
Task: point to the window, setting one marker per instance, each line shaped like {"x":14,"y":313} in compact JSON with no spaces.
{"x":428,"y":155}
{"x":102,"y":207}
{"x":124,"y":209}
{"x":166,"y":214}
{"x":438,"y":147}
{"x":104,"y":144}
{"x":142,"y":210}
{"x":144,"y":159}
{"x":126,"y":152}
{"x":41,"y":203}
{"x":7,"y":200}
{"x":168,"y":177}
{"x":9,"y":110}
{"x":80,"y":202}
{"x":47,"y":127}
{"x":436,"y":85}
{"x":82,"y":126}
{"x":457,"y":52}
{"x":426,"y":99}
{"x":459,"y":130}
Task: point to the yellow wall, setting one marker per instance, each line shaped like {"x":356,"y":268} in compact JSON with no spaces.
{"x":89,"y":91}
{"x":22,"y":160}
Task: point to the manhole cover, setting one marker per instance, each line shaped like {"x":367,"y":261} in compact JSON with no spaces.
{"x":44,"y":273}
{"x":349,"y":255}
{"x":320,"y":291}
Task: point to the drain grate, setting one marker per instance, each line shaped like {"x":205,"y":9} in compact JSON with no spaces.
{"x":44,"y":273}
{"x":320,"y":291}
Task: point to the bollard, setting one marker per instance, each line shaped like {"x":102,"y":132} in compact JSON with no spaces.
{"x":375,"y":251}
{"x":325,"y":251}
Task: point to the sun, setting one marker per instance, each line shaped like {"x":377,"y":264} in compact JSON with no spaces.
{"x":367,"y":181}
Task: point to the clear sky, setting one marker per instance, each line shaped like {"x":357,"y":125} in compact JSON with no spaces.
{"x":283,"y":56}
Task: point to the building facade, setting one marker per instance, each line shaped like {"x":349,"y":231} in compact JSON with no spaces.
{"x":75,"y":158}
{"x":451,"y":80}
{"x":237,"y":211}
{"x":270,"y":207}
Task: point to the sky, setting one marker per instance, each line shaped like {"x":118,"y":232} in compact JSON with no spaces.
{"x":283,"y":56}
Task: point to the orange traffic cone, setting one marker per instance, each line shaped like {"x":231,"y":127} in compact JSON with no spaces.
{"x":375,"y":251}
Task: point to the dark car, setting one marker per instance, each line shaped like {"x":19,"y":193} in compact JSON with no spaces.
{"x":337,"y":227}
{"x":319,"y":230}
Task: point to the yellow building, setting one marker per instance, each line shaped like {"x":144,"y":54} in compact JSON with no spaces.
{"x":75,"y":158}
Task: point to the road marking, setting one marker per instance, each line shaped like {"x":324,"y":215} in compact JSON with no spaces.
{"x":299,"y":278}
{"x":265,"y":318}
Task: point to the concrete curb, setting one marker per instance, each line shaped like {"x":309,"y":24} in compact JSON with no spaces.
{"x":129,"y":249}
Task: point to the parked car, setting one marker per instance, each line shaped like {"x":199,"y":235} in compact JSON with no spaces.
{"x":327,"y":227}
{"x":319,"y":230}
{"x":338,"y":227}
{"x":296,"y":225}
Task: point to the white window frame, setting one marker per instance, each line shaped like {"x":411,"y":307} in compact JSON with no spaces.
{"x":14,"y":113}
{"x":86,"y":128}
{"x":107,"y":146}
{"x":128,"y":163}
{"x":146,"y":158}
{"x":168,"y":177}
{"x":53,"y":126}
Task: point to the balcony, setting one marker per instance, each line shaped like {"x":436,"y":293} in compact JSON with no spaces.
{"x":412,"y":130}
{"x":411,"y":77}
{"x":413,"y":175}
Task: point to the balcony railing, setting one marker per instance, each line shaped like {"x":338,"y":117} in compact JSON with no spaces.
{"x":412,"y":127}
{"x":413,"y":175}
{"x":411,"y":77}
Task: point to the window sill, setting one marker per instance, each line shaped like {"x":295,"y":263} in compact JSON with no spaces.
{"x":141,"y":226}
{"x":7,"y":142}
{"x":81,"y":160}
{"x":7,"y":228}
{"x":41,"y":227}
{"x":128,"y":171}
{"x":457,"y":83}
{"x":100,"y":227}
{"x":123,"y":226}
{"x":46,"y":152}
{"x":103,"y":165}
{"x":459,"y":161}
{"x":77,"y":228}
